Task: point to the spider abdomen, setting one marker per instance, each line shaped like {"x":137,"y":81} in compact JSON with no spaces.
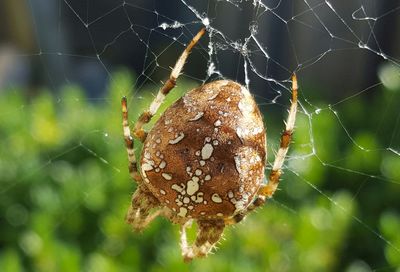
{"x":205,"y":156}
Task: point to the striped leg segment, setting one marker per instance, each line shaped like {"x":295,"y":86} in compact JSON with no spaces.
{"x":133,"y":170}
{"x":146,"y":116}
{"x":209,"y":233}
{"x":273,"y":180}
{"x":140,"y":212}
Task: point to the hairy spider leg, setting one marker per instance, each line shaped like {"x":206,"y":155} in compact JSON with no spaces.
{"x":208,"y":234}
{"x":133,"y":170}
{"x":146,"y":116}
{"x":142,"y":201}
{"x":267,"y":190}
{"x":139,"y":214}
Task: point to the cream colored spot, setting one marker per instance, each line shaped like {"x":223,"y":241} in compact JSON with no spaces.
{"x":202,"y":163}
{"x":238,"y":164}
{"x":216,"y":198}
{"x":178,"y":202}
{"x":162,"y":164}
{"x":257,"y":130}
{"x":197,"y":117}
{"x":147,"y":167}
{"x":217,"y":123}
{"x":186,"y":200}
{"x":207,"y":151}
{"x":162,"y":192}
{"x":220,"y":214}
{"x":242,"y":133}
{"x":208,"y":177}
{"x":166,"y":176}
{"x":192,"y":186}
{"x":197,"y":198}
{"x":177,"y":139}
{"x":213,"y":96}
{"x":177,"y":188}
{"x":246,"y":106}
{"x":240,"y":204}
{"x":198,"y":172}
{"x":182,"y":212}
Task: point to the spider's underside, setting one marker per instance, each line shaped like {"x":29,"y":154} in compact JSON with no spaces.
{"x":203,"y":160}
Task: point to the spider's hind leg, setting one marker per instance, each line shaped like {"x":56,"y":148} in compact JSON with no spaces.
{"x":258,"y":201}
{"x":208,"y":234}
{"x":140,"y":212}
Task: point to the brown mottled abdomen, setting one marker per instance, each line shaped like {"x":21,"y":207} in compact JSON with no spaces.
{"x":205,"y":156}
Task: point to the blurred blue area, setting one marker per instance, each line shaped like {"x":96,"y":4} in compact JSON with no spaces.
{"x":63,"y":41}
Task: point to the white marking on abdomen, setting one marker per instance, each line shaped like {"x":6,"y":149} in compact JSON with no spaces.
{"x":216,"y":198}
{"x":182,"y":212}
{"x":207,"y":151}
{"x":177,"y":139}
{"x":166,"y":176}
{"x":197,"y":117}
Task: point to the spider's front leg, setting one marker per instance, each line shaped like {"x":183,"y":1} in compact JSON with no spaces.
{"x":208,"y":234}
{"x":133,"y":170}
{"x":142,"y":200}
{"x":146,"y":116}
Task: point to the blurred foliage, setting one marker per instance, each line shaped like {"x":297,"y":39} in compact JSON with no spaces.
{"x":65,"y":188}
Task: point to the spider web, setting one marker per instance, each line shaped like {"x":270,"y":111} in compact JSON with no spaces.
{"x":348,"y":124}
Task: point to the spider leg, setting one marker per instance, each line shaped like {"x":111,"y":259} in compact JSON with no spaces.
{"x":209,"y":233}
{"x":267,"y":190}
{"x":273,"y":180}
{"x":133,"y":170}
{"x":139,"y":214}
{"x":146,"y":116}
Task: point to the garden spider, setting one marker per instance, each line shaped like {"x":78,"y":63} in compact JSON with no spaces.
{"x":203,"y":160}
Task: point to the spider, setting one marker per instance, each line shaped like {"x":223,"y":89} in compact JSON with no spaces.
{"x":203,"y":160}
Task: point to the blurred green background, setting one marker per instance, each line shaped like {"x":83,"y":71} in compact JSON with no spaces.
{"x":65,"y":189}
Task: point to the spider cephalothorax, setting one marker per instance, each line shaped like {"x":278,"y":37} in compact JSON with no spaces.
{"x":203,"y":160}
